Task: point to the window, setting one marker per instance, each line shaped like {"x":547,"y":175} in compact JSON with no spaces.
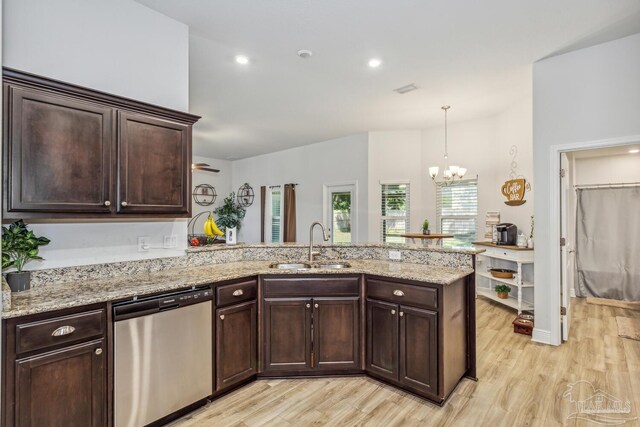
{"x":273,"y":218}
{"x":457,"y":212}
{"x":395,"y":212}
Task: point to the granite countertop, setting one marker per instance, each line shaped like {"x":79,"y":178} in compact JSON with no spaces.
{"x":73,"y":294}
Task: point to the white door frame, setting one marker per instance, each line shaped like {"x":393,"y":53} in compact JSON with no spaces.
{"x":553,"y":244}
{"x":326,"y":188}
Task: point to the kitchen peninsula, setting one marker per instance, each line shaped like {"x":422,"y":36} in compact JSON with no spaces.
{"x":408,"y":323}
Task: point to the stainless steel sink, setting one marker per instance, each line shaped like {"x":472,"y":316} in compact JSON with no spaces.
{"x":290,"y":265}
{"x":332,"y":264}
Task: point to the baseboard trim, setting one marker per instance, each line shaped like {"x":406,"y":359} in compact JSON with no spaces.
{"x":541,"y":336}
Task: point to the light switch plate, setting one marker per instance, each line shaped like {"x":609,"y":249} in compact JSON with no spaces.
{"x":170,"y":242}
{"x":395,"y":255}
{"x":143,"y":244}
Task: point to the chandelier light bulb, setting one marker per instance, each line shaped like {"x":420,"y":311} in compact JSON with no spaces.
{"x":433,"y":171}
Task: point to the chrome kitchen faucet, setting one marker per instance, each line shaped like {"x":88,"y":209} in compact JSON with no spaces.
{"x":325,"y":236}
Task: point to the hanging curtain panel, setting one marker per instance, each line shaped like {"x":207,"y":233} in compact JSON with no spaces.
{"x":289,"y":222}
{"x":608,"y":243}
{"x":263,"y":199}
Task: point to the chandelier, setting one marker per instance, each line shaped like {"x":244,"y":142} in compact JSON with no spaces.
{"x":450,"y":172}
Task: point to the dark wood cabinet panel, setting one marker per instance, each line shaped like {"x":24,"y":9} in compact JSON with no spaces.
{"x":236,"y":344}
{"x":382,"y":339}
{"x":287,"y":334}
{"x":58,"y":153}
{"x":419,"y":349}
{"x":153,"y":160}
{"x":336,"y":333}
{"x":62,"y":388}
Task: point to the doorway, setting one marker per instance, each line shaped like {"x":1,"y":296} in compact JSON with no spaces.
{"x":340,"y":206}
{"x":596,"y":156}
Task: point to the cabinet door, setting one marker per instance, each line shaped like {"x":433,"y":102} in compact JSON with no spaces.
{"x":62,"y":388}
{"x":419,"y":349}
{"x":236,"y":337}
{"x":154,"y":161}
{"x":382,"y":339}
{"x":59,"y":153}
{"x":287,"y":334}
{"x":336,"y":332}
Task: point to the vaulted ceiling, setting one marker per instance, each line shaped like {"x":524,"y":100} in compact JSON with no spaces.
{"x":473,"y":55}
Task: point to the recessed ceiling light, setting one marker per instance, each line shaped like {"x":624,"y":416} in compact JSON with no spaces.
{"x":405,"y":89}
{"x":634,"y":151}
{"x":241,"y":59}
{"x":304,"y":53}
{"x":374,"y":62}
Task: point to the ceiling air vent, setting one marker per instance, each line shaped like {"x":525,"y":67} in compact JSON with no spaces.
{"x":404,"y":89}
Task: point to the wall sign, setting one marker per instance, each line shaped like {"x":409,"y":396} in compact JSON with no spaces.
{"x":515,"y":188}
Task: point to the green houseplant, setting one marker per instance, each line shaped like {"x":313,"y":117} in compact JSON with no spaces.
{"x":230,"y":213}
{"x":19,"y":245}
{"x":502,"y":291}
{"x":425,"y":227}
{"x":342,"y":211}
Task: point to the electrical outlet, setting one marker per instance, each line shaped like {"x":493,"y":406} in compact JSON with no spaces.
{"x":143,"y":244}
{"x":170,"y":241}
{"x":395,"y":255}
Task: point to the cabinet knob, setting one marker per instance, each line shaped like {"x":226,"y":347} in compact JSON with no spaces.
{"x":308,"y":305}
{"x":393,"y":312}
{"x":238,"y":292}
{"x":107,"y":203}
{"x":123,"y":204}
{"x":401,"y":314}
{"x":222,"y":317}
{"x":98,"y":351}
{"x":315,"y":305}
{"x":398,"y":293}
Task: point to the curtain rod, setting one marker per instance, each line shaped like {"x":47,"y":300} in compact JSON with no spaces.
{"x":278,"y":186}
{"x":612,"y":185}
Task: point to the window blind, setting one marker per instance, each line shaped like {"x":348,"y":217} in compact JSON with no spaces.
{"x":276,"y":228}
{"x":457,"y":211}
{"x":394,"y":209}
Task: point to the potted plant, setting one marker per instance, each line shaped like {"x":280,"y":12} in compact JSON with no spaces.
{"x":502,"y":291}
{"x":425,"y":227}
{"x":19,"y":245}
{"x":230,"y":216}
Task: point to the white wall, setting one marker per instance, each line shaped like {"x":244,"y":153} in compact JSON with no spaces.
{"x":116,"y":46}
{"x":311,"y":166}
{"x":482,"y":146}
{"x":587,"y":95}
{"x":624,"y":168}
{"x":220,"y":181}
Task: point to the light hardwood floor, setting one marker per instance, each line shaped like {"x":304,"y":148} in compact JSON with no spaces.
{"x":520,"y":383}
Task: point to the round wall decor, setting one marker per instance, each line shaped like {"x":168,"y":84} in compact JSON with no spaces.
{"x":245,"y":195}
{"x":204,"y":195}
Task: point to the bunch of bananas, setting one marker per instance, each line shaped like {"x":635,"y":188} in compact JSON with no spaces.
{"x":210,"y":228}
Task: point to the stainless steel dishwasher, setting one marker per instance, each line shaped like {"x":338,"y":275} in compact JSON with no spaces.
{"x":162,"y":355}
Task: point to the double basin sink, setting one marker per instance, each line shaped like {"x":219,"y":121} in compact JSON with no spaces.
{"x":308,"y":265}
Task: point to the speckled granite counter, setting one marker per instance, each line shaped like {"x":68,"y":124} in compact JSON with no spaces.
{"x":76,"y":293}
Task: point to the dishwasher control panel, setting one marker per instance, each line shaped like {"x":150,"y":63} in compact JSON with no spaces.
{"x":136,"y":307}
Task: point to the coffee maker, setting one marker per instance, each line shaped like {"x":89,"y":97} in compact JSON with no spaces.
{"x":507,"y":234}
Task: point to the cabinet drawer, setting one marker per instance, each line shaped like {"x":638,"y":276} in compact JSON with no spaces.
{"x":418,"y":296}
{"x":311,"y":286}
{"x":59,"y":330}
{"x":236,"y":292}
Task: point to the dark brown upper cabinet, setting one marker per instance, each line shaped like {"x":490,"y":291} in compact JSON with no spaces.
{"x":153,"y":165}
{"x":72,"y":152}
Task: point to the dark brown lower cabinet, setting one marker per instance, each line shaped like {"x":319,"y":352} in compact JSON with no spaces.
{"x":64,"y":387}
{"x":382,"y":339}
{"x":336,"y":333}
{"x":236,"y":344}
{"x":287,"y":334}
{"x":419,"y":349}
{"x":402,"y":345}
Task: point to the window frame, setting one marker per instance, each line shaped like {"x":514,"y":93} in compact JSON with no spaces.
{"x":269,"y":213}
{"x":440,"y":217}
{"x":406,"y":217}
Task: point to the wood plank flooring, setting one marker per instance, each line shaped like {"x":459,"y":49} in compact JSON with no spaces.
{"x":521,"y":383}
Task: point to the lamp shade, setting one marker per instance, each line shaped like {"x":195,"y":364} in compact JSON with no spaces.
{"x":433,"y":171}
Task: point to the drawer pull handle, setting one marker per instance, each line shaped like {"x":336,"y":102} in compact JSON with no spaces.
{"x":98,"y":351}
{"x":238,"y":292}
{"x":107,"y":203}
{"x":124,"y":204}
{"x":398,"y":293}
{"x":63,"y":330}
